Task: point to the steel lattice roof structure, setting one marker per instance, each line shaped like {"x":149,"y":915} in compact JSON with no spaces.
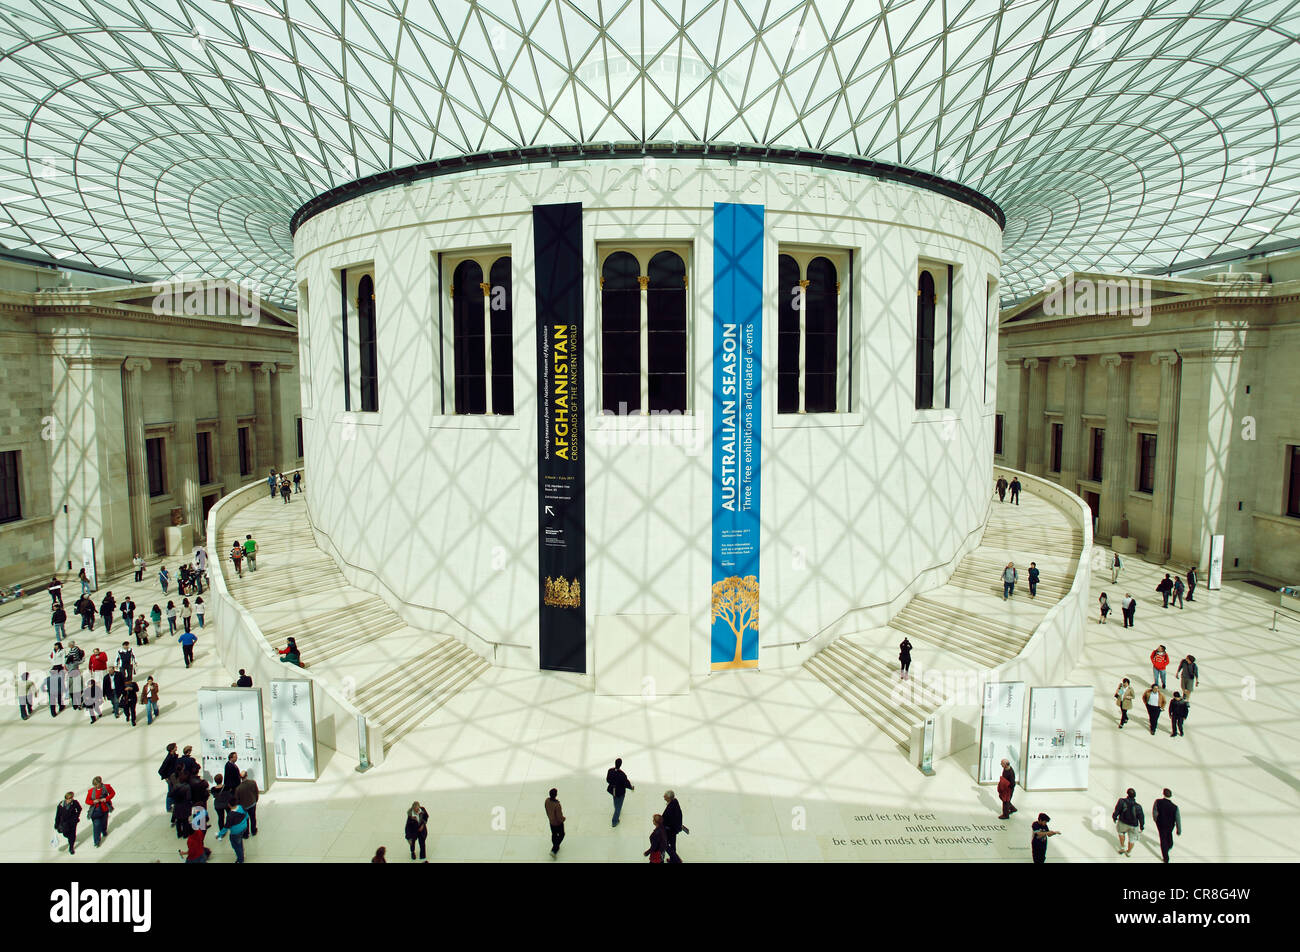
{"x":178,"y":137}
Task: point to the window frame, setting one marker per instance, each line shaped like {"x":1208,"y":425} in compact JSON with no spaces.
{"x":843,"y":259}
{"x":999,"y":432}
{"x":244,"y":449}
{"x":1096,"y":461}
{"x":155,"y":458}
{"x":1291,"y":486}
{"x":1146,"y":462}
{"x":1055,"y":446}
{"x":446,"y":264}
{"x":11,"y":461}
{"x":202,"y":454}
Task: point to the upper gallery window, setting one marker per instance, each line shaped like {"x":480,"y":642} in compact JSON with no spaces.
{"x":813,"y":356}
{"x":482,"y":337}
{"x":644,"y":331}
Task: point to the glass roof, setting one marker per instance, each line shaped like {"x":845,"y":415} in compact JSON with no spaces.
{"x":171,"y":137}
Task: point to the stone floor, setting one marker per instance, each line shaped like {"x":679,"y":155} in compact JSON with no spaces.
{"x":768,"y":765}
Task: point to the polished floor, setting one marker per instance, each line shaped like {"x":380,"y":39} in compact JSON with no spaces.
{"x":768,"y":765}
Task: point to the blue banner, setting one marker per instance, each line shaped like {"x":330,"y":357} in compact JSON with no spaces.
{"x":737,"y":428}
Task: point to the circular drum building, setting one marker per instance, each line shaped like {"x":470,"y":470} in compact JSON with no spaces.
{"x":648,"y":413}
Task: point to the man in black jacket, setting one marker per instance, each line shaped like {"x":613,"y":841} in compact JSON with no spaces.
{"x":106,"y":609}
{"x":114,"y":686}
{"x":230,"y":777}
{"x":673,"y":824}
{"x":617,"y":785}
{"x":1177,"y":714}
{"x":166,"y":770}
{"x":1168,"y":821}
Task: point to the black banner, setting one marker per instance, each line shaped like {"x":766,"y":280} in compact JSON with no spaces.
{"x":561,"y":503}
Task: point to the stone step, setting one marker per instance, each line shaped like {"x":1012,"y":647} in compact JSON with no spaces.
{"x":865,"y":702}
{"x":467,"y":670}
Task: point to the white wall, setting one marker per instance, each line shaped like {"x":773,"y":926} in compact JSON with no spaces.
{"x":442,"y":509}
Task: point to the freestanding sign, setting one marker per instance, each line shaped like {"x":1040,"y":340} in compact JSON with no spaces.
{"x":230,"y":722}
{"x":88,"y":562}
{"x":736,"y":434}
{"x":1002,"y":726}
{"x":1060,"y":738}
{"x":293,"y":725}
{"x":561,"y":501}
{"x":1216,"y":563}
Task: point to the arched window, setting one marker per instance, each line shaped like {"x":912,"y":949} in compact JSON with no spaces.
{"x":468,"y":345}
{"x":666,"y":343}
{"x":821,"y":338}
{"x":620,"y":334}
{"x":368,"y":344}
{"x":501,"y":307}
{"x":925,"y":301}
{"x":788,"y":335}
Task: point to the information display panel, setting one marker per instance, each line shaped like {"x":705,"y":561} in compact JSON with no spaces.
{"x":1060,"y":738}
{"x":293,"y":729}
{"x":1002,"y":728}
{"x":230,"y":721}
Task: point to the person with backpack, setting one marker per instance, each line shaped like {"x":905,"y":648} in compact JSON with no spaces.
{"x":617,"y":785}
{"x":163,"y":578}
{"x":100,"y":800}
{"x":1164,"y":588}
{"x":1178,"y":708}
{"x":237,"y":556}
{"x":126,"y":661}
{"x":271,"y":482}
{"x":66,"y":817}
{"x":285,"y":490}
{"x":1129,"y":821}
{"x":1033,"y":579}
{"x":1009,"y":577}
{"x":236,"y":828}
{"x":1189,"y":675}
{"x":141,"y":630}
{"x":417,"y":828}
{"x":1115,"y":565}
{"x":1178,"y":591}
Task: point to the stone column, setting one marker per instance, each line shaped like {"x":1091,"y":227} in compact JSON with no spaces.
{"x":1162,"y":497}
{"x":1072,"y":421}
{"x":1014,"y":436}
{"x":1037,"y":405}
{"x":228,"y":424}
{"x":1114,"y":473}
{"x":283,"y":444}
{"x":137,"y":477}
{"x":187,"y":451}
{"x":263,"y":443}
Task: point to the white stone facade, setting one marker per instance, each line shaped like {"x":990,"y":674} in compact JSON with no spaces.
{"x":441,"y":509}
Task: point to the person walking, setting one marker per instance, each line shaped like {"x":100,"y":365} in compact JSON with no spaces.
{"x":24,"y":689}
{"x":237,"y":556}
{"x":150,"y":694}
{"x":99,"y":798}
{"x":1006,"y":788}
{"x":1129,"y":821}
{"x":187,"y":640}
{"x":114,"y":687}
{"x":1038,"y":839}
{"x":141,"y":630}
{"x":1015,"y":489}
{"x":1128,"y":608}
{"x":1009,"y":581}
{"x":246,"y":796}
{"x":55,"y":588}
{"x":92,"y":699}
{"x":250,"y":552}
{"x":73,"y":658}
{"x":236,"y":828}
{"x":1164,"y":588}
{"x":155,"y":617}
{"x":1178,"y":708}
{"x":1033,"y":579}
{"x":163,"y":578}
{"x":86,"y":609}
{"x":271,"y":483}
{"x":1155,"y":700}
{"x":127,"y":608}
{"x":198,"y":608}
{"x":201,"y":564}
{"x":673,"y":824}
{"x":1168,"y":822}
{"x":1159,"y":661}
{"x":130,"y":696}
{"x":66,"y":817}
{"x":59,"y":619}
{"x":617,"y":785}
{"x":187,"y":612}
{"x":285,"y":491}
{"x":98,"y":663}
{"x":1001,"y":487}
{"x":417,"y":828}
{"x":106,"y":608}
{"x":555,"y":817}
{"x":1115,"y":565}
{"x":380,"y":853}
{"x":137,"y":563}
{"x":1124,"y":695}
{"x":85,"y":582}
{"x":905,"y":656}
{"x":56,"y":690}
{"x":658,"y":840}
{"x":1191,"y":583}
{"x":1178,"y":591}
{"x":1104,"y":604}
{"x":165,"y":771}
{"x":171,"y":617}
{"x":297,"y":481}
{"x":1189,"y":675}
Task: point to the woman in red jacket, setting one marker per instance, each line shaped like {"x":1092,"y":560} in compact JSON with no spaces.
{"x":100,"y":800}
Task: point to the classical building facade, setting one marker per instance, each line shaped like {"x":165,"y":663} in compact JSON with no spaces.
{"x":1170,"y":405}
{"x":129,"y":408}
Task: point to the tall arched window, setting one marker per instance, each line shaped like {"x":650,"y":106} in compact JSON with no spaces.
{"x":468,"y":346}
{"x":666,"y":333}
{"x":821,"y":339}
{"x":925,"y":301}
{"x":368,"y":344}
{"x":620,"y":334}
{"x":789,"y":335}
{"x":501,"y":307}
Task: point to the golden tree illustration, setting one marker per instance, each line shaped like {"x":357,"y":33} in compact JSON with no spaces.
{"x":735,"y":601}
